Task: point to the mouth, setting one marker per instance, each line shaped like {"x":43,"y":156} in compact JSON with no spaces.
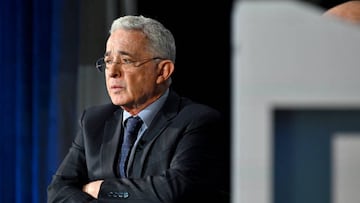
{"x":116,"y":87}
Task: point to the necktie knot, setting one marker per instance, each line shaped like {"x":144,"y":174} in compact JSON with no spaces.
{"x":132,"y":127}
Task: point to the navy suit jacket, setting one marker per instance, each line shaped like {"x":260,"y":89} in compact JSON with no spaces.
{"x":182,"y":157}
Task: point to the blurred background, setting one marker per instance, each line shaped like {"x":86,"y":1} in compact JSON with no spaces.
{"x":48,"y":50}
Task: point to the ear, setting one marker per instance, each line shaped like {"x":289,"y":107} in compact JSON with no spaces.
{"x":165,"y":70}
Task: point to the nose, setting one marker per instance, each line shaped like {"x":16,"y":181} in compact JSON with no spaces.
{"x":113,"y":70}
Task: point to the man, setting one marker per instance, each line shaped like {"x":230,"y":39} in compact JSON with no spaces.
{"x":179,"y":154}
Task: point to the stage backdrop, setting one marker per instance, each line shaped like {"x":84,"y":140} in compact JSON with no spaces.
{"x":35,"y":72}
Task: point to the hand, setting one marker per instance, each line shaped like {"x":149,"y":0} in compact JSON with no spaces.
{"x":93,"y":188}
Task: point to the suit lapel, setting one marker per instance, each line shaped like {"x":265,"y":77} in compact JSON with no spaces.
{"x":157,"y":126}
{"x":111,"y":138}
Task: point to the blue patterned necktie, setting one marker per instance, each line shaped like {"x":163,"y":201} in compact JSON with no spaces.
{"x":132,"y":127}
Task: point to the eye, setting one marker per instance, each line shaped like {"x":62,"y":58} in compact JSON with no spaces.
{"x":127,"y":61}
{"x":108,"y":61}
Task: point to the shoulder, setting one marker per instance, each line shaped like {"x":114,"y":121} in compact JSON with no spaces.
{"x":188,"y":108}
{"x":101,"y":109}
{"x":100,"y":113}
{"x":199,"y":111}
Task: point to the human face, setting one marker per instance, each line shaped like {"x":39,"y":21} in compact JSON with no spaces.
{"x":132,"y":88}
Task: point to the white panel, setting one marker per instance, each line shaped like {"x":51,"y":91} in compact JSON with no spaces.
{"x":346,"y":168}
{"x":285,"y":53}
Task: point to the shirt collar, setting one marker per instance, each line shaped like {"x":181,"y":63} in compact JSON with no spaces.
{"x":148,"y":114}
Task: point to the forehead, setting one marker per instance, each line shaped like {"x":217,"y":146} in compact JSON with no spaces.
{"x":129,"y":39}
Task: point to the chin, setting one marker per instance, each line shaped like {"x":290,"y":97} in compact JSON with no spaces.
{"x":117,"y":101}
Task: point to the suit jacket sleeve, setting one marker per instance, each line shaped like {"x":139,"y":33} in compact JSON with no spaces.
{"x":66,"y":185}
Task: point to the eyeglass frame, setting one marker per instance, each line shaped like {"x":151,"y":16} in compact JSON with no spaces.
{"x":102,"y":66}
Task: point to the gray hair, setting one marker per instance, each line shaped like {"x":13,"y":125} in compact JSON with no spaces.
{"x":161,"y":40}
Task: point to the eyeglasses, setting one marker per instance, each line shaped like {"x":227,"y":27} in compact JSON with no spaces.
{"x":126,"y":64}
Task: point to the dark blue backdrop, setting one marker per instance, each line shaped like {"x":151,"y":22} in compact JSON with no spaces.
{"x":303,"y":153}
{"x":31,"y":55}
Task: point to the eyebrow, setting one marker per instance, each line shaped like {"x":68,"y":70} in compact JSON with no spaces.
{"x":122,"y":53}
